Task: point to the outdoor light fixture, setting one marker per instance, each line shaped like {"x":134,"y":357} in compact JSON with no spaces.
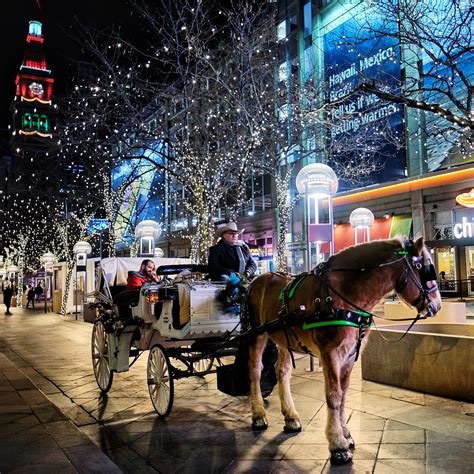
{"x":47,"y":259}
{"x":81,"y":249}
{"x":147,"y":231}
{"x":12,"y":269}
{"x":361,"y":218}
{"x":317,"y":181}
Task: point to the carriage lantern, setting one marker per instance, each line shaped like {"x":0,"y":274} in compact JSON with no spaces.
{"x":316,"y":182}
{"x":361,"y":218}
{"x":147,"y":231}
{"x":47,"y":259}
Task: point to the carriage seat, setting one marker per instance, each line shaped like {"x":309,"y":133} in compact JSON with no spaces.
{"x":125,"y":300}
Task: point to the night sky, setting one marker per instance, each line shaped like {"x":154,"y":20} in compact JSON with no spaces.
{"x":58,"y":18}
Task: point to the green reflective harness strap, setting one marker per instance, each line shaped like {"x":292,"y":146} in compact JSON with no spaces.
{"x":329,"y":323}
{"x":292,"y":287}
{"x":339,"y":317}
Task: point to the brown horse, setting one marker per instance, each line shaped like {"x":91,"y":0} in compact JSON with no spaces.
{"x":346,"y":287}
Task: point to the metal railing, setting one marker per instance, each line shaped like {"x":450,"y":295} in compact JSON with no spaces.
{"x":457,"y":288}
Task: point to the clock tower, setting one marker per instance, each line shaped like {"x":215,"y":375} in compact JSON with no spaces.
{"x":31,"y":106}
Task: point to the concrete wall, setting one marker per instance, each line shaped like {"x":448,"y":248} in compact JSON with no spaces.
{"x":434,"y":358}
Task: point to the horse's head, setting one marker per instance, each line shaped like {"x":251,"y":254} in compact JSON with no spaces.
{"x":417,"y":285}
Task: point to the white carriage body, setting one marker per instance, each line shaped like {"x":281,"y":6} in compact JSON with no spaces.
{"x":206,"y":315}
{"x":203,"y":315}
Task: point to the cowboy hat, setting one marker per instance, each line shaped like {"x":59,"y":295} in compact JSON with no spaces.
{"x":227,"y":227}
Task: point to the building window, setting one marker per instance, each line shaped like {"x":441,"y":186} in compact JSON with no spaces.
{"x":281,"y":31}
{"x":308,"y":19}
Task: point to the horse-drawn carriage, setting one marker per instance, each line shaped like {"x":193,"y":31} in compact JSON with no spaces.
{"x":326,"y":311}
{"x":178,"y":320}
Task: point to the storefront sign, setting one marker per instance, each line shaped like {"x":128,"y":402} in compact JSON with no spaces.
{"x":466,"y":199}
{"x":463,"y":230}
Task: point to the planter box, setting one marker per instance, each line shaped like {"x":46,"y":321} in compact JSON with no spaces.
{"x":432,"y":358}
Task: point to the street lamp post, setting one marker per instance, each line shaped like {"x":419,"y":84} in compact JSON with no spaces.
{"x":147,"y":231}
{"x":361,"y":218}
{"x":81,"y":249}
{"x":48,"y":260}
{"x":316,"y":182}
{"x":12,"y":272}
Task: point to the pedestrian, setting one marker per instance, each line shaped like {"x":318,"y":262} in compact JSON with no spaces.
{"x":31,"y":297}
{"x":38,"y":291}
{"x":7,"y":296}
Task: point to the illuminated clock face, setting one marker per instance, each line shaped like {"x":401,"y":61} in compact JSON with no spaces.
{"x":36,"y":88}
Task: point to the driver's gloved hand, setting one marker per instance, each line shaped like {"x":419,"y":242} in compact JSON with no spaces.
{"x":234,"y":279}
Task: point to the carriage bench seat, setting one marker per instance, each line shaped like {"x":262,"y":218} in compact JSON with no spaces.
{"x":125,"y":300}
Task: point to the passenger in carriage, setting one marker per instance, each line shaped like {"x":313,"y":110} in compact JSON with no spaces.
{"x":146,"y":274}
{"x":230,"y":255}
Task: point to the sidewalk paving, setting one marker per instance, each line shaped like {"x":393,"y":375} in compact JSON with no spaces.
{"x":53,"y":419}
{"x":35,"y":435}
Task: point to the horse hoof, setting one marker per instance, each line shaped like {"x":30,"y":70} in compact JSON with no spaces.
{"x":259,"y":425}
{"x":352,"y":444}
{"x":292,"y":429}
{"x":340,"y":457}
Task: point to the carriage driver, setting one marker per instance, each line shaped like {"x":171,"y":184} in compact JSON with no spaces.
{"x":230,"y":255}
{"x":144,"y":275}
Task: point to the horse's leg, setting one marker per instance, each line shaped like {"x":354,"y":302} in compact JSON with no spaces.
{"x":259,"y":415}
{"x":345,"y":379}
{"x":338,"y":444}
{"x":284,"y":370}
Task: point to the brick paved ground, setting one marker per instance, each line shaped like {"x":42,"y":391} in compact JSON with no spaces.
{"x":53,"y":419}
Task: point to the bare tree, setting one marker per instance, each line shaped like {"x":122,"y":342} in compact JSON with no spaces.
{"x":436,"y":39}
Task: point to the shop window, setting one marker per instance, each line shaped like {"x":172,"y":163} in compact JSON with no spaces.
{"x":446,"y":266}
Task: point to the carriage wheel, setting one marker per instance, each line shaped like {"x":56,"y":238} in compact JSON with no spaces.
{"x":202,"y":365}
{"x":160,"y":381}
{"x":100,"y":357}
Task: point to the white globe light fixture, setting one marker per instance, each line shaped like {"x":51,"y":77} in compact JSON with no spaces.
{"x":361,"y":218}
{"x":315,"y":182}
{"x":12,"y":269}
{"x":147,"y":231}
{"x":47,"y":259}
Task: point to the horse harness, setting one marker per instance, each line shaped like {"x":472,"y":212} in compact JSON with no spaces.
{"x":327,"y":315}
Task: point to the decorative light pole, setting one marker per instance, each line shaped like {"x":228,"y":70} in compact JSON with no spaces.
{"x":12,"y":271}
{"x":47,"y":259}
{"x":81,"y":250}
{"x":316,"y":182}
{"x":147,"y":231}
{"x":361,"y":218}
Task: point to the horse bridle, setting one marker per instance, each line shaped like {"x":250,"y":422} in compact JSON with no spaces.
{"x":427,"y":274}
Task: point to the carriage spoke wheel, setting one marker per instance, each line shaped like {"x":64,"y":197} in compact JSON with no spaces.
{"x":202,"y":365}
{"x":160,"y":381}
{"x":100,"y":357}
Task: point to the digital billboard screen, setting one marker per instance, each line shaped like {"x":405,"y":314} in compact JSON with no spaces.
{"x":363,"y":133}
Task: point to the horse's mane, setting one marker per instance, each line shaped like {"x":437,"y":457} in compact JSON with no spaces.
{"x":362,"y":254}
